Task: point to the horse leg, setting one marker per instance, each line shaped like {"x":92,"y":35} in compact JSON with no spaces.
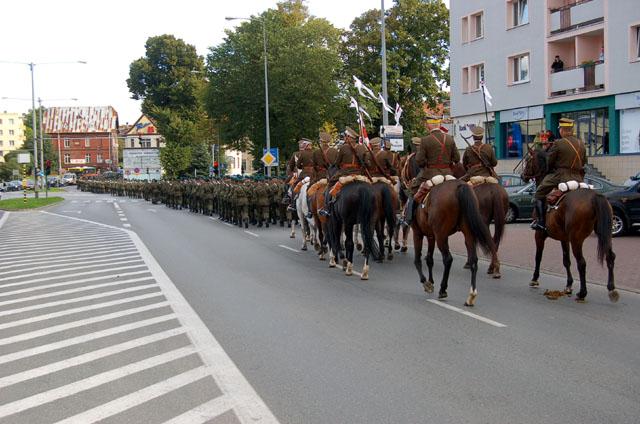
{"x":357,"y":239}
{"x":566,"y":261}
{"x":613,"y":293}
{"x":348,"y":246}
{"x":417,"y":260}
{"x":396,"y":237}
{"x":540,"y":238}
{"x":405,"y":236}
{"x":365,"y":268}
{"x":380,"y":237}
{"x":447,"y":260}
{"x":576,"y":246}
{"x":292,"y":225}
{"x":472,"y":256}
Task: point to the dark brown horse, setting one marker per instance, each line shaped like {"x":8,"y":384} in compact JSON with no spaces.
{"x":578,"y":214}
{"x":448,"y":208}
{"x":317,"y":202}
{"x":386,"y":208}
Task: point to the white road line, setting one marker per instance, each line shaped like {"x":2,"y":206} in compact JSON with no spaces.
{"x":108,"y":264}
{"x":97,"y":296}
{"x":80,"y":323}
{"x":123,"y":219}
{"x":4,"y":218}
{"x":67,"y":291}
{"x":467,"y":313}
{"x":251,"y":234}
{"x":93,"y":262}
{"x":59,"y":314}
{"x":74,"y":201}
{"x":84,"y":338}
{"x":56,"y":252}
{"x":126,"y":225}
{"x":49,"y":248}
{"x":152,"y":210}
{"x":93,"y":381}
{"x":36,"y":238}
{"x":88,"y":357}
{"x":72,"y":212}
{"x":37,"y":280}
{"x":139,"y":397}
{"x":288,"y":248}
{"x":55,"y":241}
{"x":205,"y":412}
{"x":123,"y":252}
{"x":228,"y":225}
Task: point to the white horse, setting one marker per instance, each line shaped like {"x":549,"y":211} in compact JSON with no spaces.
{"x":302,"y":208}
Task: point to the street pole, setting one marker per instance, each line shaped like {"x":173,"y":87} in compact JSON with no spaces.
{"x":35,"y":140}
{"x":266,"y":92}
{"x":385,"y":116}
{"x":46,"y":181}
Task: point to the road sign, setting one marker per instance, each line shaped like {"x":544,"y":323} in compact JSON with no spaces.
{"x":24,"y":158}
{"x":15,"y":172}
{"x":271,"y":157}
{"x":393,"y":133}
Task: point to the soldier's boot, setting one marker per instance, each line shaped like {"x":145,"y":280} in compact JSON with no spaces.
{"x":309,"y":214}
{"x":541,"y":212}
{"x":246,"y":223}
{"x":292,"y":205}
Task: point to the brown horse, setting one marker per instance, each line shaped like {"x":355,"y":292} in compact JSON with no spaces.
{"x":409,"y":169}
{"x":316,"y":202}
{"x":448,"y":208}
{"x":577,"y":215}
{"x":386,"y":208}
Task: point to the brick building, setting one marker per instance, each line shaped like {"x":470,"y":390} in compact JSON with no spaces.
{"x":85,"y":137}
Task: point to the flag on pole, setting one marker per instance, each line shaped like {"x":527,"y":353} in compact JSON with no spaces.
{"x":397,"y":114}
{"x":487,"y":95}
{"x":360,"y":86}
{"x":384,"y":103}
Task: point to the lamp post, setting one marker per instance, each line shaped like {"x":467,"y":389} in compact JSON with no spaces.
{"x":385,"y":116}
{"x":266,"y":83}
{"x":33,"y":111}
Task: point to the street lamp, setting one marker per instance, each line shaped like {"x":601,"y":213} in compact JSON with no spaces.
{"x":33,"y":109}
{"x":385,"y":117}
{"x":266,"y":82}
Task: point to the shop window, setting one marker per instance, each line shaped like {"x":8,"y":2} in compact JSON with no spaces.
{"x":520,"y":134}
{"x":592,"y":127}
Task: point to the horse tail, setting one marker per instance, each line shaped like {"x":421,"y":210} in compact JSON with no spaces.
{"x":387,"y":205}
{"x":365,"y":212}
{"x":499,"y":214}
{"x":603,"y":225}
{"x":470,"y":213}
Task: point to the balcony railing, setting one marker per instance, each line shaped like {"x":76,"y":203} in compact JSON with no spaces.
{"x":576,"y":15}
{"x":577,"y":80}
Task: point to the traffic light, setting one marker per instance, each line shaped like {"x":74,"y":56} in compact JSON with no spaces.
{"x":215,"y":167}
{"x":47,"y":167}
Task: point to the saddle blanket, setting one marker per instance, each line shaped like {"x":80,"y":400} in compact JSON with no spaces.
{"x":426,"y":186}
{"x":478,"y":179}
{"x":555,"y":197}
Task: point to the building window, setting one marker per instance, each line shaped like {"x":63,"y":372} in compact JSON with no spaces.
{"x":99,"y":158}
{"x":1,"y":143}
{"x":67,"y":143}
{"x":519,"y":134}
{"x":519,"y":68}
{"x":465,"y":29}
{"x":0,"y":121}
{"x":12,"y":143}
{"x":635,"y":43}
{"x":133,"y":144}
{"x":67,"y":158}
{"x":11,"y":132}
{"x":477,"y":30}
{"x":87,"y":158}
{"x":87,"y":142}
{"x":477,"y":76}
{"x":0,"y":130}
{"x":11,"y":121}
{"x":517,"y":12}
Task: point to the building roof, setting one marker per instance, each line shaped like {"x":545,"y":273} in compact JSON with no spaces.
{"x":88,"y":119}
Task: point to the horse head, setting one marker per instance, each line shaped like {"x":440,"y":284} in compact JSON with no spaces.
{"x":535,"y":166}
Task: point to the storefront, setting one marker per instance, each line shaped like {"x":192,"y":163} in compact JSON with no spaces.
{"x":629,"y":107}
{"x":518,"y":128}
{"x":462,"y":127}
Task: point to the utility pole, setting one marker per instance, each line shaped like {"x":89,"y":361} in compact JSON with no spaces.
{"x":45,"y":182}
{"x":35,"y":140}
{"x":266,"y":92}
{"x":385,"y":116}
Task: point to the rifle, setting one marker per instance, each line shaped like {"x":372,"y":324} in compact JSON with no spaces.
{"x":482,"y":159}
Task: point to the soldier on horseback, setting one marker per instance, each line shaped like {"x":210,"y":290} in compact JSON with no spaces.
{"x":304,"y":164}
{"x":566,"y":161}
{"x":436,"y":155}
{"x":479,"y":159}
{"x":381,"y":162}
{"x":323,"y":157}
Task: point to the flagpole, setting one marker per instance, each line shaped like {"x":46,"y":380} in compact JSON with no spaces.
{"x":486,"y":114}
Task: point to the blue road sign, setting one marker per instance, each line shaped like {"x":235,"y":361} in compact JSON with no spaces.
{"x":271,"y":157}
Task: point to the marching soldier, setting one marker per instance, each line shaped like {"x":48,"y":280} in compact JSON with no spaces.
{"x":567,"y":158}
{"x":479,"y":159}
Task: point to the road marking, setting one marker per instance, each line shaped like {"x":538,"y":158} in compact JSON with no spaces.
{"x":57,"y":264}
{"x":72,"y":211}
{"x":126,"y":225}
{"x":288,"y":248}
{"x":93,"y":381}
{"x":74,"y":201}
{"x":141,"y":396}
{"x":56,"y":252}
{"x":467,"y":313}
{"x":87,"y":253}
{"x":123,"y":219}
{"x":251,"y":234}
{"x":88,"y":357}
{"x":123,"y":252}
{"x":54,"y":242}
{"x":75,"y":268}
{"x":37,"y":280}
{"x":4,"y":218}
{"x":152,"y":210}
{"x":213,"y":408}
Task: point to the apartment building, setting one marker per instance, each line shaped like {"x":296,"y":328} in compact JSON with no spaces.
{"x":512,"y":45}
{"x":11,"y":133}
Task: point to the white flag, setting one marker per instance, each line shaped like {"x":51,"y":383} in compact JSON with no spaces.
{"x":397,"y":114}
{"x":487,"y":95}
{"x":364,"y":112}
{"x":354,"y":104}
{"x":360,"y":86}
{"x":384,"y":103}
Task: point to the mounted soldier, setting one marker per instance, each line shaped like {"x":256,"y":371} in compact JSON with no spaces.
{"x":435,"y":156}
{"x":324,"y":157}
{"x":479,"y":159}
{"x":304,"y":164}
{"x":565,"y":162}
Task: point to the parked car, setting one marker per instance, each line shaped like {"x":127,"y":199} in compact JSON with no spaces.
{"x":626,"y":209}
{"x":15,"y":185}
{"x":512,"y":182}
{"x":69,"y":178}
{"x":521,"y":201}
{"x":53,"y":181}
{"x":632,"y":180}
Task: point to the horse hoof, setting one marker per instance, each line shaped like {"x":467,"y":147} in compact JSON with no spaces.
{"x":428,"y":287}
{"x":442,"y":295}
{"x":390,"y":257}
{"x":614,"y":296}
{"x":534,"y":284}
{"x":359,"y":246}
{"x":490,"y":270}
{"x":332,"y":263}
{"x":379,"y":260}
{"x":497,"y":275}
{"x":467,"y":266}
{"x":568,"y":290}
{"x":304,"y":248}
{"x":581,"y":300}
{"x":322,"y":258}
{"x":396,"y":247}
{"x":403,"y":249}
{"x":292,"y":236}
{"x":316,"y":247}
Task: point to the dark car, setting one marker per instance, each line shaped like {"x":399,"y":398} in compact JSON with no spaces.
{"x":512,"y":182}
{"x":626,"y":209}
{"x":521,"y":201}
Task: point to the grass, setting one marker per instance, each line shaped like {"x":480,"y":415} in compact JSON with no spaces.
{"x":19,"y":204}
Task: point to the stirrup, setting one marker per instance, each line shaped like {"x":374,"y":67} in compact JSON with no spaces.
{"x":536,"y":226}
{"x":309,"y":215}
{"x":324,"y":212}
{"x":291,"y":208}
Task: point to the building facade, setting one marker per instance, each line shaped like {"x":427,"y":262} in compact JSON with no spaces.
{"x":143,"y":135}
{"x":512,"y":46}
{"x":86,"y":138}
{"x":12,"y":133}
{"x":238,"y":163}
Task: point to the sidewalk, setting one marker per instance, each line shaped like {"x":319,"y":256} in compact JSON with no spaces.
{"x":518,"y":249}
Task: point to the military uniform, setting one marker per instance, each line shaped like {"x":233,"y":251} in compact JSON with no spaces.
{"x":436,"y":155}
{"x":477,"y":156}
{"x":324,"y":157}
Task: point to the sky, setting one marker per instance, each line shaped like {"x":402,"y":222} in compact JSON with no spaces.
{"x":55,"y":35}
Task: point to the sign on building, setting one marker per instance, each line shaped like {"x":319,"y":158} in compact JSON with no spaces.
{"x":142,"y":164}
{"x":394,"y":134}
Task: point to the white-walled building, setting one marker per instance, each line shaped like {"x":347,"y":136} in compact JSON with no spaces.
{"x":11,"y":133}
{"x":511,"y":44}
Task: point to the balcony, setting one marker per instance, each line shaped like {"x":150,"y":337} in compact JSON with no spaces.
{"x":581,"y":79}
{"x":576,"y":15}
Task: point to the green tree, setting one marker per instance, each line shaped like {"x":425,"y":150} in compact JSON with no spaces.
{"x":49,"y":152}
{"x":304,"y":66}
{"x":200,"y":159}
{"x":175,"y":159}
{"x":417,"y":40}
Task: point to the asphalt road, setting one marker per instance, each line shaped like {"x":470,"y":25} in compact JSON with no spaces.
{"x":319,"y":347}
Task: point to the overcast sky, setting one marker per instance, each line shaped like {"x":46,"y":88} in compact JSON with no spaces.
{"x":109,"y":36}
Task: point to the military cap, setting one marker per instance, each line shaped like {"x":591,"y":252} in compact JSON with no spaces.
{"x":416,"y":141}
{"x":387,"y":143}
{"x":477,"y":131}
{"x":375,"y":141}
{"x":351,"y":133}
{"x":325,"y":137}
{"x":566,"y":122}
{"x":434,"y":121}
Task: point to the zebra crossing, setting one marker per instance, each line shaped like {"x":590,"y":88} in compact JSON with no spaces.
{"x":96,"y":331}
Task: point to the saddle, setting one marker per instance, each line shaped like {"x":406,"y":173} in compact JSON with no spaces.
{"x":557,"y":194}
{"x":348,"y":179}
{"x":477,"y":180}
{"x":300,"y":184}
{"x":319,"y":185}
{"x":426,"y":186}
{"x":394,"y":180}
